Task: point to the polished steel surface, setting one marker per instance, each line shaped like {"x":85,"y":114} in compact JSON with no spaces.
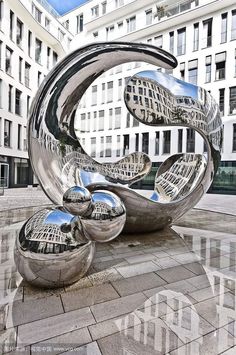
{"x":107,"y":218}
{"x":50,"y":251}
{"x":60,"y":160}
{"x":77,"y":201}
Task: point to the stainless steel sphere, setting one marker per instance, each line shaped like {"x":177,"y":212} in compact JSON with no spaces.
{"x":47,"y":253}
{"x":77,"y":201}
{"x":107,"y":218}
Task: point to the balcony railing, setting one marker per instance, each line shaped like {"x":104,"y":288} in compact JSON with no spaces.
{"x":174,"y":9}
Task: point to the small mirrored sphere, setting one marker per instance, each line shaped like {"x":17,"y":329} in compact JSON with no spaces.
{"x":77,"y":201}
{"x":107,"y":218}
{"x":47,"y":252}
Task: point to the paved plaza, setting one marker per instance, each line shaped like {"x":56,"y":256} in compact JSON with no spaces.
{"x":168,"y":292}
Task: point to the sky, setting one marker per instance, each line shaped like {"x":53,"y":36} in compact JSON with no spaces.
{"x":64,"y":6}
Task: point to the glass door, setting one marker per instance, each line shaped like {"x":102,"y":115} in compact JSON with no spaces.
{"x":4,"y":175}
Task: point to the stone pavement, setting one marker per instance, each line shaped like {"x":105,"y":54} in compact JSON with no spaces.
{"x":28,"y":197}
{"x":169,"y":292}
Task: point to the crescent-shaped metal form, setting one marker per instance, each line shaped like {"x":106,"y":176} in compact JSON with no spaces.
{"x":61,"y":162}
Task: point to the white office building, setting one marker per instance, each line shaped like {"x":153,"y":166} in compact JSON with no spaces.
{"x":31,"y":41}
{"x":200,"y":33}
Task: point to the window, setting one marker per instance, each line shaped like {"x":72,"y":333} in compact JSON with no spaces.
{"x":54,"y":58}
{"x":19,"y":136}
{"x":193,"y":71}
{"x":82,"y":122}
{"x":48,"y":57}
{"x":232,"y":100}
{"x":93,"y":147}
{"x":207,"y":33}
{"x":103,"y":93}
{"x":157,"y":143}
{"x":110,"y":91}
{"x":94,"y":121}
{"x":109,"y":31}
{"x":20,"y":69}
{"x":222,"y":101}
{"x":61,"y":35}
{"x":101,"y":147}
{"x":224,"y":28}
{"x":38,"y":50}
{"x":19,"y":32}
{"x":127,"y":120}
{"x":29,"y":43}
{"x":47,"y":24}
{"x":120,"y":25}
{"x":95,"y":11}
{"x":39,"y":78}
{"x":235,"y":62}
{"x":25,"y":141}
{"x":182,"y":71}
{"x":11,"y":24}
{"x":104,"y":7}
{"x":108,"y":146}
{"x":208,"y":69}
{"x":126,"y":144}
{"x":117,"y":117}
{"x":120,"y":91}
{"x":166,"y":142}
{"x":95,"y":34}
{"x":131,"y":24}
{"x":101,"y":120}
{"x":119,"y":3}
{"x":28,"y":105}
{"x":118,"y":146}
{"x":0,"y":54}
{"x":94,"y":95}
{"x":1,"y":12}
{"x":10,"y":90}
{"x":220,"y":61}
{"x":234,"y":137}
{"x":1,"y":86}
{"x":181,"y":41}
{"x":233,"y":26}
{"x":135,"y":122}
{"x":18,"y":102}
{"x":8,"y":61}
{"x":190,"y":144}
{"x":180,"y":140}
{"x":80,"y":23}
{"x":171,"y":38}
{"x":145,"y":142}
{"x":37,"y":14}
{"x":158,"y":41}
{"x":195,"y":36}
{"x":149,"y":17}
{"x":110,"y":118}
{"x":136,"y":142}
{"x":7,"y":133}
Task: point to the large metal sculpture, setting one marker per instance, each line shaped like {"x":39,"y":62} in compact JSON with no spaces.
{"x":56,"y":246}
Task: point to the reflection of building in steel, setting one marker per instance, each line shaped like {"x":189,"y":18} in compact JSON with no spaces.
{"x":181,"y":177}
{"x":103,"y":211}
{"x":150,"y":100}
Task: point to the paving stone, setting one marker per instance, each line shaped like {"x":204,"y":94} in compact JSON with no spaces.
{"x":7,"y":340}
{"x":196,"y":268}
{"x":34,"y":293}
{"x":150,"y":312}
{"x":139,"y":258}
{"x":142,"y":339}
{"x":137,"y":283}
{"x":174,"y":274}
{"x":209,"y":292}
{"x":88,"y":349}
{"x":40,"y":330}
{"x":115,"y":308}
{"x":88,"y":296}
{"x":84,"y":282}
{"x":215,"y":342}
{"x":29,"y":311}
{"x":199,"y":282}
{"x":104,"y":276}
{"x":99,"y":266}
{"x":62,"y":343}
{"x":165,"y":263}
{"x":111,"y":326}
{"x":187,"y":324}
{"x":137,"y":269}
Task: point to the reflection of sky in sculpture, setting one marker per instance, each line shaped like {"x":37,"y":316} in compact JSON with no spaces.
{"x":58,"y":217}
{"x":176,"y":86}
{"x":104,"y":198}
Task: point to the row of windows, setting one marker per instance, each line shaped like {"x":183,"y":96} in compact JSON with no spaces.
{"x":106,"y":143}
{"x":207,"y":35}
{"x":6,"y":126}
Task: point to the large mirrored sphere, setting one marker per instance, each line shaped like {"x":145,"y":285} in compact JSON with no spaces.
{"x":107,"y":219}
{"x":47,"y":253}
{"x":77,"y":201}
